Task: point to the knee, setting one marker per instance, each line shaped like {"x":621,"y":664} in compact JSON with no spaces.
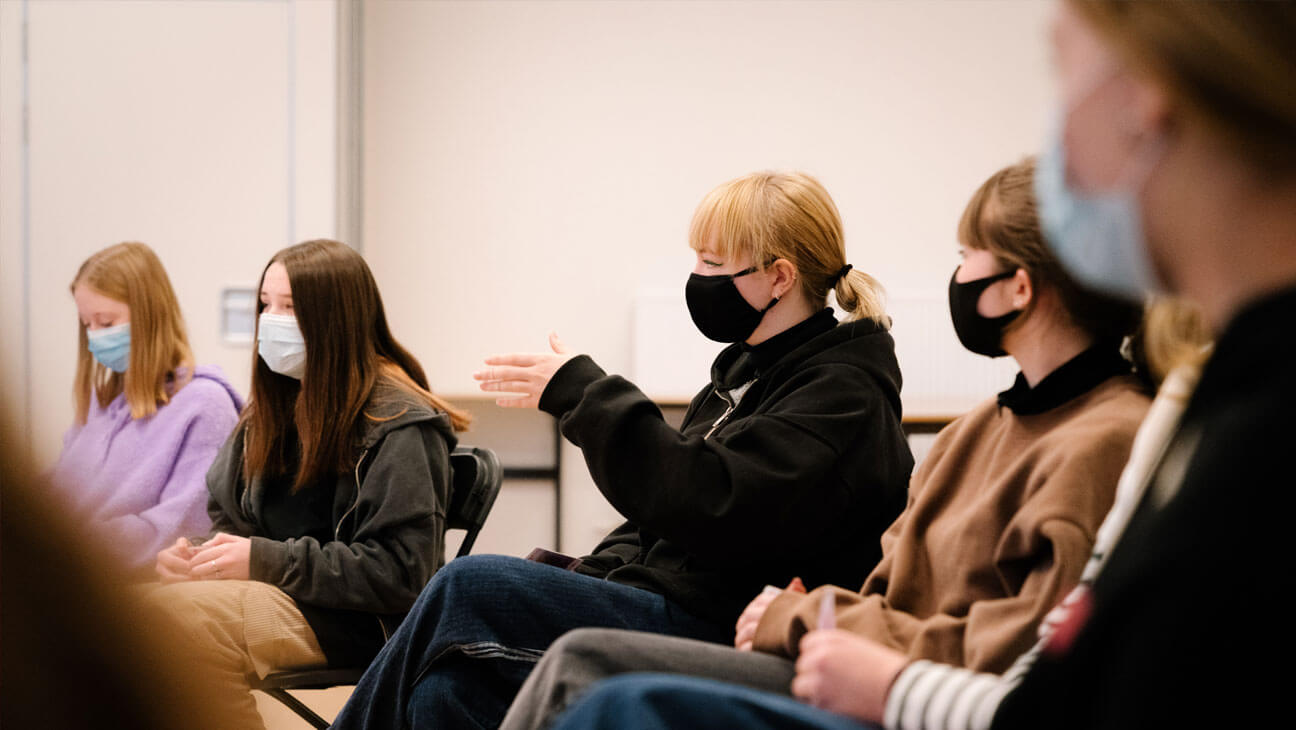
{"x":582,"y":643}
{"x":463,"y":580}
{"x":644,"y":690}
{"x":619,"y":701}
{"x":472,"y":568}
{"x":493,"y":574}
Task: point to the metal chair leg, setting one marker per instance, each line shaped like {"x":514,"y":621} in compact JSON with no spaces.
{"x":298,"y":707}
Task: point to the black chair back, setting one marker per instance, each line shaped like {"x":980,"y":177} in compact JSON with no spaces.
{"x":476,"y":483}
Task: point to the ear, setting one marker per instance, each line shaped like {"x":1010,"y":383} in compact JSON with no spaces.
{"x":1021,"y":290}
{"x":784,"y":275}
{"x":1150,"y":111}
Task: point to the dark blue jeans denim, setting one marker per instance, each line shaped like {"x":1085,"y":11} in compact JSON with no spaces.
{"x":478,"y":629}
{"x":662,"y":701}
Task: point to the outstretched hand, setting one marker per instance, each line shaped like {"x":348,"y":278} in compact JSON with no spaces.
{"x":522,"y":375}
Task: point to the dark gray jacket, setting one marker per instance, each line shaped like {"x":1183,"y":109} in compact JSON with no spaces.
{"x":388,"y":539}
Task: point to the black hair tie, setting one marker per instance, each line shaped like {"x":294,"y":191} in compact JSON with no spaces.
{"x":841,"y":273}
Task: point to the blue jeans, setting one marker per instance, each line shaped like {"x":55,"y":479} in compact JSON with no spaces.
{"x":478,"y":629}
{"x":662,"y":701}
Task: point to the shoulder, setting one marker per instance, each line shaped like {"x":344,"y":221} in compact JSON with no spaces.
{"x":859,"y":342}
{"x":829,"y":384}
{"x":391,"y":400}
{"x":973,"y":426}
{"x":393,"y":410}
{"x":1114,"y":408}
{"x":207,"y":388}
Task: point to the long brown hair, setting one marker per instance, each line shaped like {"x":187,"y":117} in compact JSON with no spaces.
{"x":349,"y":349}
{"x":131,"y":273}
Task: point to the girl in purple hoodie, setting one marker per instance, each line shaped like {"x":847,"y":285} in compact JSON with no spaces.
{"x":148,"y":421}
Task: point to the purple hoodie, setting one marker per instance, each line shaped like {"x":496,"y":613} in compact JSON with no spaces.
{"x":142,"y":483}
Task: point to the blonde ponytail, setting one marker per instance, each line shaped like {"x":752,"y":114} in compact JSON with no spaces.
{"x":862,"y":297}
{"x":1173,"y":333}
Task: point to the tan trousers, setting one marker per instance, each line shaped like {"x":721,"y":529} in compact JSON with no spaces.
{"x":241,"y":628}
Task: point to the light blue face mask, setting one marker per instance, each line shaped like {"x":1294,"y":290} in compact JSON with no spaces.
{"x":1098,"y":237}
{"x":281,"y":345}
{"x":111,"y":346}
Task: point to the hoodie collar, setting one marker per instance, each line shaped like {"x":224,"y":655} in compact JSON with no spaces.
{"x":741,"y":363}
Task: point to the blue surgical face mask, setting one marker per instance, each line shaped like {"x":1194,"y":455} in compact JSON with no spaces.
{"x":111,"y":346}
{"x":1098,"y":237}
{"x":281,"y":345}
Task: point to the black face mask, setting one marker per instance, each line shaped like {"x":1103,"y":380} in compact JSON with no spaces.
{"x":718,"y":308}
{"x":982,"y":335}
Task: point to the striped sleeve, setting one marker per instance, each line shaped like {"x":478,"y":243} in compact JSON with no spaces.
{"x":932,"y":696}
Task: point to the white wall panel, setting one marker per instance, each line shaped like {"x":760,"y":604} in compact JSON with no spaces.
{"x":530,"y":166}
{"x":533,"y":165}
{"x":204,"y":129}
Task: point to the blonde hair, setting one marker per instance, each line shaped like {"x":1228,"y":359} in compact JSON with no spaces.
{"x":131,"y":273}
{"x":1232,"y":63}
{"x":774,"y":215}
{"x":1174,"y":334}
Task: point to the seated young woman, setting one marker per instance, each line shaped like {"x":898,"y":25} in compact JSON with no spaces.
{"x":1002,"y":513}
{"x":328,"y":501}
{"x":792,"y":458}
{"x":148,"y":420}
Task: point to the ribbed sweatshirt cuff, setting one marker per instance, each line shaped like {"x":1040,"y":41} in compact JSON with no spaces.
{"x":567,"y":386}
{"x":266,"y":559}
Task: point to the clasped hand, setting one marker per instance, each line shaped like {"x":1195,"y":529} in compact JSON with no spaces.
{"x":224,"y":557}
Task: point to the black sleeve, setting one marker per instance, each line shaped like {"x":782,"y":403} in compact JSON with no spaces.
{"x":752,"y":485}
{"x":619,"y":548}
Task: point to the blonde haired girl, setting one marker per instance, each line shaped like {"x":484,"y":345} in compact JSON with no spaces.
{"x":791,"y":459}
{"x":148,"y":421}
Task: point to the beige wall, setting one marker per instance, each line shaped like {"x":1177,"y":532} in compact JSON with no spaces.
{"x":204,"y":129}
{"x":533,"y":165}
{"x":530,"y":165}
{"x":12,"y":312}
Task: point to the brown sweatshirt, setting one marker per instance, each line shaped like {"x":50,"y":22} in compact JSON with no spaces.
{"x":1000,"y":521}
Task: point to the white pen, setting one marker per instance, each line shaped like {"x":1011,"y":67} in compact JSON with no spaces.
{"x":827,"y":611}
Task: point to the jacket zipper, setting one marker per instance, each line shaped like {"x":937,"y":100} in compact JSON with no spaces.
{"x":338,"y":529}
{"x":245,"y":501}
{"x":723,"y":416}
{"x":728,"y":397}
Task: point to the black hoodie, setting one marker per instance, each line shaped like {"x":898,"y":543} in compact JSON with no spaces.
{"x":388,"y":517}
{"x":800,"y":478}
